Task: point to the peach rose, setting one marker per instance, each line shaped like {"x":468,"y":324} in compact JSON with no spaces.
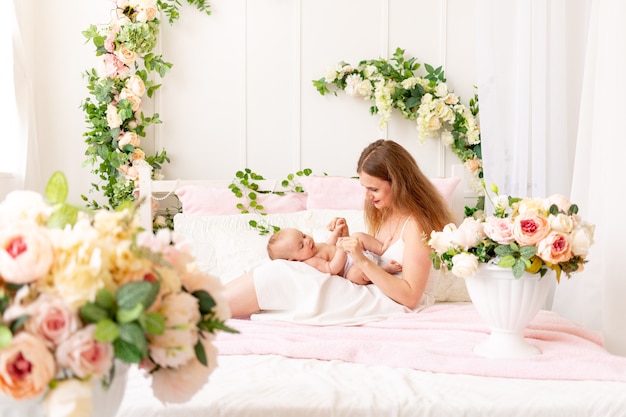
{"x":26,"y":367}
{"x":179,"y":385}
{"x":135,"y":101}
{"x":530,"y":227}
{"x":26,"y":253}
{"x":175,"y":346}
{"x":113,"y":118}
{"x":499,"y":230}
{"x":554,"y":248}
{"x":561,"y":202}
{"x":128,"y":138}
{"x":125,"y":55}
{"x":472,"y":165}
{"x":84,"y":355}
{"x":70,"y":398}
{"x":136,"y":85}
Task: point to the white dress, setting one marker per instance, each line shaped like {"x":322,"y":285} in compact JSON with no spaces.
{"x":395,"y":252}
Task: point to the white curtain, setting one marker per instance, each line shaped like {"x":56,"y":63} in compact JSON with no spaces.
{"x":538,"y":140}
{"x":597,"y":300}
{"x":20,"y":155}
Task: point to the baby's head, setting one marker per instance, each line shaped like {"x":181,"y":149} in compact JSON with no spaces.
{"x":291,"y":244}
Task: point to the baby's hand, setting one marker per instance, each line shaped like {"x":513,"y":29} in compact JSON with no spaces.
{"x":339,"y":223}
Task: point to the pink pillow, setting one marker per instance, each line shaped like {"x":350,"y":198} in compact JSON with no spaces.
{"x":211,"y":201}
{"x":344,"y":193}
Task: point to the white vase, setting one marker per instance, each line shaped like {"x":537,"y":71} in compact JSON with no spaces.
{"x":507,"y":305}
{"x":105,"y":402}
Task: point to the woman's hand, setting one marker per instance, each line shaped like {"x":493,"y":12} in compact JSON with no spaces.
{"x":352,"y":245}
{"x":339,"y":223}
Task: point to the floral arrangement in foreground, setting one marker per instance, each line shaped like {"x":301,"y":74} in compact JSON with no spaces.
{"x":524,"y":234}
{"x":82,"y":291}
{"x":117,"y":88}
{"x":395,"y":84}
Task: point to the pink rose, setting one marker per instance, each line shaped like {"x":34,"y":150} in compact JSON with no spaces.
{"x":51,"y":319}
{"x":529,"y":228}
{"x":499,"y":230}
{"x":562,"y":203}
{"x":26,"y":253}
{"x":555,"y":248}
{"x":26,"y":367}
{"x":112,"y":66}
{"x":84,"y":355}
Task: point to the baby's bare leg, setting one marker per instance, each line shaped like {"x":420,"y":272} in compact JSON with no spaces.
{"x":393,"y":267}
{"x":357,"y":276}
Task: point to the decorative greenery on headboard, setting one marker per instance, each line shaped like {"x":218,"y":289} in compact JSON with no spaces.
{"x":244,"y":186}
{"x":438,"y":112}
{"x":113,"y":111}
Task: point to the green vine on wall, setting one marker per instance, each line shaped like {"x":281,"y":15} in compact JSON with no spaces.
{"x":424,"y":99}
{"x":246,"y":187}
{"x":117,"y":88}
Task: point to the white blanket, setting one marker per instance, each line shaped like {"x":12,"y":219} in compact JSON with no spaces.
{"x":298,"y":293}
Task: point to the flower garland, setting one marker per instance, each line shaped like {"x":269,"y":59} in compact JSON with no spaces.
{"x":117,"y":87}
{"x":394,"y":84}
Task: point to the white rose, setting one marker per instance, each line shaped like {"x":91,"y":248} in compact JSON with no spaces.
{"x":464,"y":265}
{"x":581,"y":239}
{"x":561,"y":223}
{"x":446,"y":138}
{"x":70,"y":398}
{"x":562,"y":203}
{"x":330,"y":75}
{"x":469,"y":233}
{"x":441,"y":90}
{"x":353,"y":81}
{"x":24,"y":205}
{"x":442,"y":241}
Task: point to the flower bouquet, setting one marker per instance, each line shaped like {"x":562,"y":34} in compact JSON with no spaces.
{"x":82,"y":292}
{"x":525,"y":234}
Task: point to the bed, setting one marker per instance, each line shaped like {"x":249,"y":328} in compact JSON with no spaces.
{"x":400,"y":364}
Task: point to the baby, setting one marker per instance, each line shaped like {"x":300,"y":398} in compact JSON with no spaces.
{"x":293,"y":245}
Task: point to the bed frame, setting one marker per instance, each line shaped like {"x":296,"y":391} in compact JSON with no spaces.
{"x":252,"y":379}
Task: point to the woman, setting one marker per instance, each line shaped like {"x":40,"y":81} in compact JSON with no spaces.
{"x":401,"y":206}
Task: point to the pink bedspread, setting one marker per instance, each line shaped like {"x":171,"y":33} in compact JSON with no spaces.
{"x":437,"y":339}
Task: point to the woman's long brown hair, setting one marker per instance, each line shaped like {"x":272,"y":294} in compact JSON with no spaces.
{"x":412,"y":191}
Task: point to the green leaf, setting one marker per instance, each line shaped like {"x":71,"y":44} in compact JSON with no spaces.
{"x":62,"y":216}
{"x":133,"y":293}
{"x":93,"y":313}
{"x":133,"y":333}
{"x":200,"y":353}
{"x":124,"y":315}
{"x":127,"y":352}
{"x":152,"y":323}
{"x":205,"y":300}
{"x":57,"y":189}
{"x":105,"y":299}
{"x":507,"y":261}
{"x":527,"y":252}
{"x":106,"y":331}
{"x":5,"y":337}
{"x":518,"y":268}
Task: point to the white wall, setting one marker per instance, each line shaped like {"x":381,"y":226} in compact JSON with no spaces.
{"x":240,"y":93}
